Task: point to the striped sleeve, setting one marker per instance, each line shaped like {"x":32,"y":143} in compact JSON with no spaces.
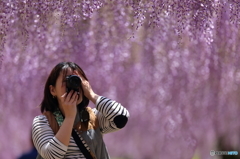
{"x":111,"y":115}
{"x":47,"y":145}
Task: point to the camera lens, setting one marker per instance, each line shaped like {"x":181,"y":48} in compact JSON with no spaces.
{"x":73,"y":82}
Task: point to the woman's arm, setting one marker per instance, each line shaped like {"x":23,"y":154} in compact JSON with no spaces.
{"x":111,"y":115}
{"x":48,"y":145}
{"x":68,"y":106}
{"x":44,"y":140}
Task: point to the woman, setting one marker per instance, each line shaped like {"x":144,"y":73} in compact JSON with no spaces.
{"x":68,"y":111}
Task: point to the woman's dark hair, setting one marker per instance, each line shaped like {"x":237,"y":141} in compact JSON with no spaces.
{"x":51,"y":104}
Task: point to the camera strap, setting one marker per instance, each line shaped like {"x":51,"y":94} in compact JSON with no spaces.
{"x":81,"y":146}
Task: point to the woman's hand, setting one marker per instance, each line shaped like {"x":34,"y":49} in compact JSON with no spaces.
{"x":87,"y":89}
{"x":69,"y":104}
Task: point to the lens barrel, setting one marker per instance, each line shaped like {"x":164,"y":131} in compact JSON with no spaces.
{"x":73,"y":82}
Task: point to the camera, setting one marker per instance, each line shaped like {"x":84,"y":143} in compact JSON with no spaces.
{"x":73,"y":82}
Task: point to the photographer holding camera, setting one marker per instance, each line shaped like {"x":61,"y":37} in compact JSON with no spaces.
{"x":69,"y":128}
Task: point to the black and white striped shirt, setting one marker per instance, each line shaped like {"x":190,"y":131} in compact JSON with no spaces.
{"x":111,"y":115}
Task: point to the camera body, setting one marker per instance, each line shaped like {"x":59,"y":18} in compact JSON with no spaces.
{"x":73,"y":82}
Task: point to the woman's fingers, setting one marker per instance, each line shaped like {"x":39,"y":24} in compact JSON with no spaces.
{"x":64,"y":95}
{"x":69,"y":97}
{"x":76,"y":96}
{"x":87,"y":89}
{"x":73,"y":98}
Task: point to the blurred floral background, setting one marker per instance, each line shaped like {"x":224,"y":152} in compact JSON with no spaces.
{"x":175,"y":65}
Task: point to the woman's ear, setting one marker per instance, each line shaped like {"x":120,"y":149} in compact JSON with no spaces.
{"x":52,"y":90}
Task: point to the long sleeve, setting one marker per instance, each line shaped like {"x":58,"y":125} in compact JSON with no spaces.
{"x":46,"y":144}
{"x":112,"y":115}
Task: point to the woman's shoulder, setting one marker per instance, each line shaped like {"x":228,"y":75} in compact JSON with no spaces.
{"x":94,"y":110}
{"x":91,"y":110}
{"x":40,"y":118}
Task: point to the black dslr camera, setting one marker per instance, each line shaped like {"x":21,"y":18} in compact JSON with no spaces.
{"x":73,"y":82}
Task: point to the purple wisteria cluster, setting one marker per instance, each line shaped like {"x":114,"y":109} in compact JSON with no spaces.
{"x":174,"y":64}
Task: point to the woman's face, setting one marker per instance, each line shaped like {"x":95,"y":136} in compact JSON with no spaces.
{"x":60,"y":88}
